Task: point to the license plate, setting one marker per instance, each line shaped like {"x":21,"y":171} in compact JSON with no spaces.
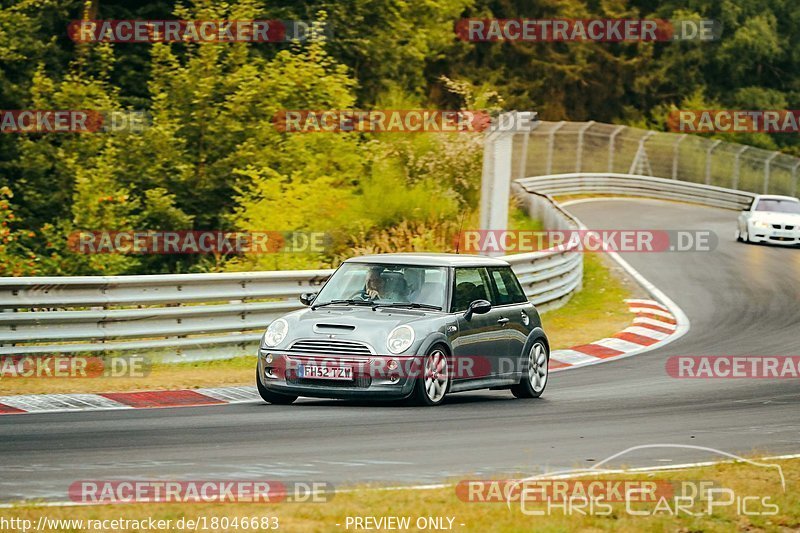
{"x":325,"y":372}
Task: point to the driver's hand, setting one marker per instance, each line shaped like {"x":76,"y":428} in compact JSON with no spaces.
{"x":372,"y":293}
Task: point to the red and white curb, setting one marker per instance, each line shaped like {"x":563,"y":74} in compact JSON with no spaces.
{"x":653,"y":324}
{"x":56,"y":403}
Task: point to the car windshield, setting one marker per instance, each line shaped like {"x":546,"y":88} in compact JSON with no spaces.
{"x":356,"y":283}
{"x":778,"y":206}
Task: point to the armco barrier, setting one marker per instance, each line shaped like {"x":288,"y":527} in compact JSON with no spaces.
{"x":205,"y":316}
{"x":634,"y":185}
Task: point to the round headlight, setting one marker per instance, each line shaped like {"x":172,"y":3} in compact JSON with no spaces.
{"x":400,"y":339}
{"x":276,"y":332}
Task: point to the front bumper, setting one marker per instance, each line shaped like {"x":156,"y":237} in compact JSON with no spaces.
{"x":372,"y":376}
{"x":773,"y":235}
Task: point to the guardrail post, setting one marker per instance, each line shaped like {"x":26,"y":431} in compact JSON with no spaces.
{"x":579,"y":148}
{"x":766,"y":171}
{"x":708,"y":160}
{"x":497,"y":163}
{"x":523,"y":158}
{"x":611,"y":140}
{"x":736,"y":163}
{"x":676,"y":155}
{"x":640,"y":160}
{"x":794,"y":179}
{"x":551,"y":140}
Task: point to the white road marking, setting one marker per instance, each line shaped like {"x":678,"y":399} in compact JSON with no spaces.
{"x":653,"y":322}
{"x":651,"y":311}
{"x":646,"y":332}
{"x":572,"y":357}
{"x":231,"y":394}
{"x":618,"y":344}
{"x":41,"y":403}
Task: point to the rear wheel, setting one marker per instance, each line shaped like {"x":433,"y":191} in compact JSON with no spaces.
{"x":272,"y":397}
{"x":434,"y":380}
{"x":534,"y":377}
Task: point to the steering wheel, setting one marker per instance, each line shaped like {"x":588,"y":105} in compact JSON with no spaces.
{"x":358,"y":295}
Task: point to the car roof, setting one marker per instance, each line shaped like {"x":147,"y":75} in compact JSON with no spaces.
{"x":777,"y":197}
{"x":429,"y":259}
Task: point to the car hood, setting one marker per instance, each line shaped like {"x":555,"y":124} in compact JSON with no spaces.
{"x":777,"y":218}
{"x":359,"y":323}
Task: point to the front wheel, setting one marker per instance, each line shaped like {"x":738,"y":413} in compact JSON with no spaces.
{"x":272,"y":397}
{"x":746,"y":236}
{"x":434,"y":381}
{"x":534,"y":378}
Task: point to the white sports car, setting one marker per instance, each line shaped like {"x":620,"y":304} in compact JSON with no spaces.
{"x":773,"y":219}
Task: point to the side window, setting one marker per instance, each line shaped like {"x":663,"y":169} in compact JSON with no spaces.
{"x":470,"y":284}
{"x":503,"y":296}
{"x":511,"y":285}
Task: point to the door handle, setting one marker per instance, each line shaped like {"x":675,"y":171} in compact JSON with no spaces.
{"x":503,"y":320}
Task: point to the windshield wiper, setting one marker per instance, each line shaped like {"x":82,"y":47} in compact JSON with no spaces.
{"x":411,"y":305}
{"x":347,"y":302}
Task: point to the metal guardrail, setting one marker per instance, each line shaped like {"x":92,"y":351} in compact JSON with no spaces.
{"x":635,"y":185}
{"x":207,"y":316}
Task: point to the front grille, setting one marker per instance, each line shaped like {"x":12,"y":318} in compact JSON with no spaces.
{"x":790,"y":227}
{"x":330,"y":347}
{"x":776,"y":226}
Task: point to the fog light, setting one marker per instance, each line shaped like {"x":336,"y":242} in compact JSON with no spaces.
{"x":392,"y":365}
{"x":268,"y":358}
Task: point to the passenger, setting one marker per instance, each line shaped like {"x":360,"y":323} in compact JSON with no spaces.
{"x":414,"y":278}
{"x":399,"y":291}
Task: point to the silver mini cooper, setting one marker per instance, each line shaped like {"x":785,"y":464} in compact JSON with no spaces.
{"x":413,"y":326}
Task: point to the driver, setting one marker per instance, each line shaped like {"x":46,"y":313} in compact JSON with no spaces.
{"x":374,"y":285}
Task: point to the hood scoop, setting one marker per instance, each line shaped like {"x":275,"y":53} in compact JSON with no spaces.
{"x":333,"y":328}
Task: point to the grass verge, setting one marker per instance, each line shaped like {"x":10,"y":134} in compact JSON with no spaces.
{"x":756,"y":491}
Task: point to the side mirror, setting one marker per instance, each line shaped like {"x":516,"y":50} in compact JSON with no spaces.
{"x":477,"y":307}
{"x":307,"y":298}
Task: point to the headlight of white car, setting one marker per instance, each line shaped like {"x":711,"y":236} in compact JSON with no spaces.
{"x":400,"y":339}
{"x":760,"y":224}
{"x":276,"y":332}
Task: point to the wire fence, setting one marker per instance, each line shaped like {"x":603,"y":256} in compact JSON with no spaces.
{"x":570,"y":147}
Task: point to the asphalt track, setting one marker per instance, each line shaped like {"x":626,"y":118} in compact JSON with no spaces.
{"x":740,"y":299}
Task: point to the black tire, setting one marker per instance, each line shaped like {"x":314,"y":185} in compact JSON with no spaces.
{"x":525,"y":388}
{"x":272,"y":397}
{"x":420,"y":396}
